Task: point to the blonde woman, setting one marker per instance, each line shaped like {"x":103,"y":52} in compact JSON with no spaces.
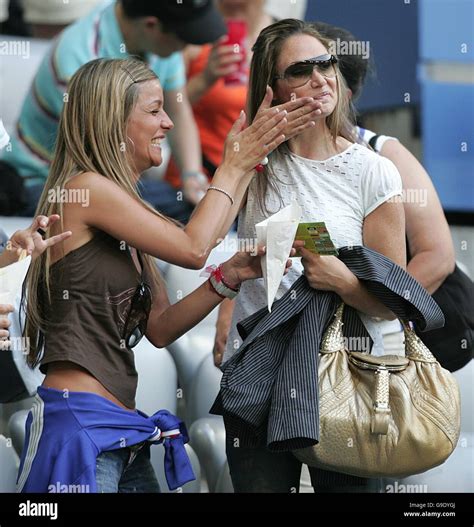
{"x":90,"y":300}
{"x":334,"y":180}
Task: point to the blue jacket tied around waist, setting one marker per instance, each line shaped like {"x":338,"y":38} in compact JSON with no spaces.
{"x":66,"y":431}
{"x":269,"y":390}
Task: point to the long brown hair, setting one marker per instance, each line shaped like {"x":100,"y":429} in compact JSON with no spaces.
{"x":92,"y":137}
{"x":263,"y":70}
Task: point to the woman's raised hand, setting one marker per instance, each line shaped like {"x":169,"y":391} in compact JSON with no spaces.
{"x":301,"y":113}
{"x":246,"y":147}
{"x":31,"y":241}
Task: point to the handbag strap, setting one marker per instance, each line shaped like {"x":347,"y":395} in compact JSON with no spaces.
{"x":415,"y":350}
{"x":333,"y":339}
{"x":382,"y":411}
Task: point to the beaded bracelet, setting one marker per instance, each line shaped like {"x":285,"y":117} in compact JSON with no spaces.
{"x":219,"y":283}
{"x":220,"y":275}
{"x":223,"y":192}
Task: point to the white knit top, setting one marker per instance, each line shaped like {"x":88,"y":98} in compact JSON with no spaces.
{"x":340,"y":191}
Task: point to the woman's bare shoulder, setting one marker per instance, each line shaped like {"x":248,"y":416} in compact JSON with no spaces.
{"x":86,"y":179}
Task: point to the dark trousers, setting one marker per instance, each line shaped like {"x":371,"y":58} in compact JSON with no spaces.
{"x":256,"y":470}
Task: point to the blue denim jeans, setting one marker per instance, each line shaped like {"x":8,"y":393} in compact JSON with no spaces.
{"x":124,"y":470}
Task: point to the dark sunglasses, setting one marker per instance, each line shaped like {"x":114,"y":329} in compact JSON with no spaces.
{"x":299,"y":73}
{"x":137,"y":318}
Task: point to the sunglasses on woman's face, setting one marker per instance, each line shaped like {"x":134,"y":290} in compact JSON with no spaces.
{"x":135,"y":326}
{"x":299,"y":73}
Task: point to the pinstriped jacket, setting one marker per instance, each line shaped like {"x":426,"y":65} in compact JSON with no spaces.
{"x":269,"y":390}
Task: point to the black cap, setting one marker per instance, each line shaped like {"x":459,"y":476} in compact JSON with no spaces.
{"x":194,"y":21}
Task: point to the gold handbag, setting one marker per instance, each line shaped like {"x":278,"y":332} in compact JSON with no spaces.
{"x":388,"y":416}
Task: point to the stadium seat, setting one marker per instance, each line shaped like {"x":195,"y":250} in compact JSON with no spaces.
{"x":207,"y":436}
{"x":157,"y":379}
{"x":10,"y":224}
{"x":189,"y":351}
{"x":9,"y":463}
{"x":157,"y":454}
{"x":224,"y":483}
{"x":7,"y":411}
{"x":16,"y":429}
{"x":204,"y":389}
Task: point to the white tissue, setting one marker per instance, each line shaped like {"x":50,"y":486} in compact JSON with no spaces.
{"x":4,"y":137}
{"x":277,"y":233}
{"x":11,"y":280}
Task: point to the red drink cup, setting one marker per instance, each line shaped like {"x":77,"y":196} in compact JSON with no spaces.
{"x":237,"y":37}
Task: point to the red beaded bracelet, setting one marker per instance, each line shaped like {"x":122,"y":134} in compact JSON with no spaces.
{"x":215,"y":290}
{"x":218,"y":283}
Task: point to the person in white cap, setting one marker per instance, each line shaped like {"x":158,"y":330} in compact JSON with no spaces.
{"x":49,"y":17}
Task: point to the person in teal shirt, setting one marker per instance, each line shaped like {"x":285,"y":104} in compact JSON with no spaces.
{"x":156,"y":31}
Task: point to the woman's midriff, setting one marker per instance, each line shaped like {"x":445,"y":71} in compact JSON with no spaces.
{"x":63,"y":375}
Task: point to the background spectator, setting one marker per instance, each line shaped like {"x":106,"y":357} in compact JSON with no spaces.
{"x":47,"y":18}
{"x":156,"y":32}
{"x":216,"y":104}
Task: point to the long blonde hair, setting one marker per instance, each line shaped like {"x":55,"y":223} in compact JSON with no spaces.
{"x":263,"y":70}
{"x":92,"y":137}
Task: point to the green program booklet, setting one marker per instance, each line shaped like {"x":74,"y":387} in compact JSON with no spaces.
{"x":317,"y":238}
